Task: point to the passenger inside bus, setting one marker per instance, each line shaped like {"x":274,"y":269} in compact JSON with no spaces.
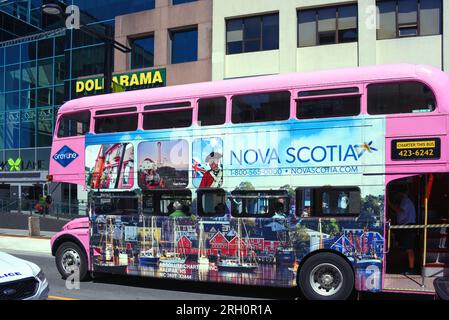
{"x":403,"y":210}
{"x":178,"y":210}
{"x":406,"y":252}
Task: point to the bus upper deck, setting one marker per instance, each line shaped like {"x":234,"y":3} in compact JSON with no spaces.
{"x":412,"y":98}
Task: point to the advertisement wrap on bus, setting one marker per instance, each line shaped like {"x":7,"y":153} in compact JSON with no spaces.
{"x":292,"y":187}
{"x":166,"y":163}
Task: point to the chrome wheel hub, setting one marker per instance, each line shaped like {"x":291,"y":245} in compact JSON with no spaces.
{"x":70,"y":260}
{"x":326,"y":279}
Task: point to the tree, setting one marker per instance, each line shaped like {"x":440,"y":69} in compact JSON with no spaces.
{"x":246,"y":185}
{"x":330,"y":227}
{"x":372,"y":208}
{"x":300,"y":239}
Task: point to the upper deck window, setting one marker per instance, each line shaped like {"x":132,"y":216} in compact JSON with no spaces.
{"x":115,"y":111}
{"x":117,"y":123}
{"x":211,"y":111}
{"x":274,"y":106}
{"x":164,"y":118}
{"x":344,"y":106}
{"x":74,"y":124}
{"x":323,"y":92}
{"x":403,"y":97}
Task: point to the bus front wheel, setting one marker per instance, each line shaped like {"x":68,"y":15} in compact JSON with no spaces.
{"x":326,"y":276}
{"x":70,"y":258}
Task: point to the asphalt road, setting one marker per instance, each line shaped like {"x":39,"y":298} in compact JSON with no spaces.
{"x":133,"y":288}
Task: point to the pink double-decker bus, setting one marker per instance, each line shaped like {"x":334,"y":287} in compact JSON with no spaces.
{"x":330,"y":181}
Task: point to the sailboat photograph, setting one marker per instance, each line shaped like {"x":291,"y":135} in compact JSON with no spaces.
{"x":172,"y":258}
{"x":203,"y":260}
{"x":237,"y":264}
{"x":114,"y":260}
{"x":151,"y":256}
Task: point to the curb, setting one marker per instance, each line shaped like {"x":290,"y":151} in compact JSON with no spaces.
{"x":23,"y":236}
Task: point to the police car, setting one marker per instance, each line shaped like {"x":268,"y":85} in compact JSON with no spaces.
{"x":21,"y":280}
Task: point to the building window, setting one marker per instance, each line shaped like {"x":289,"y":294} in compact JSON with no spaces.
{"x":261,"y":107}
{"x":405,"y":97}
{"x":184,"y":45}
{"x":328,"y":201}
{"x":407,"y":18}
{"x":328,"y":25}
{"x":252,"y":34}
{"x":142,"y":52}
{"x":74,"y":124}
{"x":175,"y":2}
{"x":212,"y":111}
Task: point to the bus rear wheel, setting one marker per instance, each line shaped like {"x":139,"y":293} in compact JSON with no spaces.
{"x":70,"y":257}
{"x":326,"y":276}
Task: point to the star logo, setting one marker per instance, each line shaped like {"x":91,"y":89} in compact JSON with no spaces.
{"x":365,"y":147}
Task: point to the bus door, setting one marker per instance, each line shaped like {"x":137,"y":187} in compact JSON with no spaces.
{"x":417,"y":248}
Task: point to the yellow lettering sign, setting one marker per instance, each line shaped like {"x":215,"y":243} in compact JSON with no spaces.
{"x":124,"y":80}
{"x":145,"y":78}
{"x":134,"y":80}
{"x":97,"y":84}
{"x":157,"y":77}
{"x":79,"y":86}
{"x":89,"y":85}
{"x":415,"y":144}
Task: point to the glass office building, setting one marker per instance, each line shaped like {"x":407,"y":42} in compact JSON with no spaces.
{"x":39,"y":63}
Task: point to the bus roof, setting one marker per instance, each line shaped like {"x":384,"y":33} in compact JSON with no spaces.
{"x":435,"y":78}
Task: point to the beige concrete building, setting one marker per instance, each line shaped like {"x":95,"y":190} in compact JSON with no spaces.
{"x":410,"y":32}
{"x":160,"y":23}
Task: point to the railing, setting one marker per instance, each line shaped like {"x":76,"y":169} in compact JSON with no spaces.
{"x":58,"y":210}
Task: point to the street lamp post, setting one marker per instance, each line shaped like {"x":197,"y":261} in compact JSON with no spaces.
{"x":110,"y":44}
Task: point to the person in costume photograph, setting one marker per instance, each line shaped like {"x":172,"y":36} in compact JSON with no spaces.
{"x":213,"y":178}
{"x":148,"y":175}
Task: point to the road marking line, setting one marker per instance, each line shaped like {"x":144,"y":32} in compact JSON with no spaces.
{"x":61,"y":298}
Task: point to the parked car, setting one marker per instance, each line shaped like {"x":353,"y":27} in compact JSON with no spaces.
{"x":21,"y":279}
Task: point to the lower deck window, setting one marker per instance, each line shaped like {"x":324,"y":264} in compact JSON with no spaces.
{"x":119,"y":203}
{"x":273,"y":203}
{"x":166,"y":203}
{"x":212,"y":202}
{"x":328,"y":201}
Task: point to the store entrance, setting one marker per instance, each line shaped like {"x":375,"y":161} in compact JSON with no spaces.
{"x":417,"y":235}
{"x":32,"y":193}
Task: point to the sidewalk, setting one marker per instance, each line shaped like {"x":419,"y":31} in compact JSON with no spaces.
{"x":24,"y":233}
{"x":18,"y":240}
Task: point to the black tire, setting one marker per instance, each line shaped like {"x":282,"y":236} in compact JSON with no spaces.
{"x":329,"y":266}
{"x":72,"y":248}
